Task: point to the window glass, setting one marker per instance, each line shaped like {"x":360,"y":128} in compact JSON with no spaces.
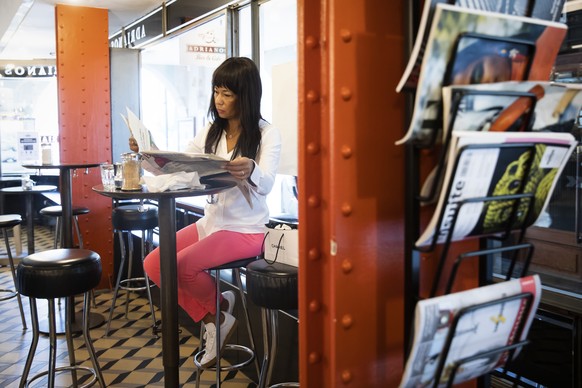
{"x":176,"y":81}
{"x":176,"y":84}
{"x":28,"y":116}
{"x":245,"y":41}
{"x":278,"y":65}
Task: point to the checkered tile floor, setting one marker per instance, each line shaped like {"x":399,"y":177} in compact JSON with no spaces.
{"x":129,"y":357}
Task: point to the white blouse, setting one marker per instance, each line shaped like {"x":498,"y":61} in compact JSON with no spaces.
{"x":229,"y":209}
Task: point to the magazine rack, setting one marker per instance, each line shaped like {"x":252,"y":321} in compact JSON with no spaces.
{"x":510,"y":227}
{"x":457,"y":99}
{"x":498,"y":356}
{"x":517,"y":250}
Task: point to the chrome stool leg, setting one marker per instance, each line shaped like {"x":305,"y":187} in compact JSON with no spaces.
{"x":11,"y":293}
{"x":127,"y":284}
{"x":249,"y":351}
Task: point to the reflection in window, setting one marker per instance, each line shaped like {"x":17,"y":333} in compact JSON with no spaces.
{"x":176,"y":82}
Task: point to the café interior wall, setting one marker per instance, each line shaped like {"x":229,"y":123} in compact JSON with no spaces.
{"x":84,"y":118}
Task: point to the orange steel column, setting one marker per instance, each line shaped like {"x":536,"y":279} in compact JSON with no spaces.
{"x":351,"y":185}
{"x":84,"y":117}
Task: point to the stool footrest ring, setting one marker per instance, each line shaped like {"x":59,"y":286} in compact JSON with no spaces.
{"x":67,"y":368}
{"x":122,"y":284}
{"x":227,"y":368}
{"x":11,"y":294}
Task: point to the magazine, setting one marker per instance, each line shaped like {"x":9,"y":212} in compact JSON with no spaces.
{"x":505,"y":106}
{"x":511,"y":106}
{"x":546,"y":10}
{"x":471,"y":47}
{"x":482,"y":325}
{"x":484,"y":165}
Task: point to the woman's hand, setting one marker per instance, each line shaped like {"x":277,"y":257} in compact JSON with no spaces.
{"x":241,"y":167}
{"x":133,"y":145}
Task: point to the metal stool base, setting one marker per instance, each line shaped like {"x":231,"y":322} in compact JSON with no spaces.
{"x":227,"y":368}
{"x":217,"y":367}
{"x":67,"y":368}
{"x":125,"y":284}
{"x":11,"y":294}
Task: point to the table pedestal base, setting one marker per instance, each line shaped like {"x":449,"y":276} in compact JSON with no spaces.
{"x":95,"y":320}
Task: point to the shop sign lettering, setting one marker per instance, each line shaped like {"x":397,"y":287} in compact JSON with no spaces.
{"x":28,"y":71}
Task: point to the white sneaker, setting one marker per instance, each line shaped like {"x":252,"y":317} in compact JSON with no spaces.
{"x":226,"y":329}
{"x":231,"y":299}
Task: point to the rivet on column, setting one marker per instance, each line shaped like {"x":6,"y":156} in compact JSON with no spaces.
{"x":314,"y":306}
{"x":346,"y":376}
{"x":346,"y":35}
{"x":312,"y":96}
{"x":313,"y":148}
{"x":313,"y":254}
{"x":314,"y":358}
{"x":346,"y":209}
{"x":347,"y":152}
{"x":313,"y":201}
{"x":311,"y":42}
{"x":347,"y":321}
{"x":346,"y":93}
{"x":347,"y":266}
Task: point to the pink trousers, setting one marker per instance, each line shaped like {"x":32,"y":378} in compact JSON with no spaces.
{"x":196,"y":288}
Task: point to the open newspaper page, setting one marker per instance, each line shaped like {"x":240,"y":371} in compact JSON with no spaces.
{"x":169,"y":162}
{"x":547,"y":10}
{"x":461,"y":41}
{"x":140,"y":133}
{"x":208,"y":166}
{"x":479,"y":330}
{"x":490,"y":164}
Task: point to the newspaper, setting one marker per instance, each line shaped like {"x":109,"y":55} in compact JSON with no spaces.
{"x":139,"y":132}
{"x":168,"y":163}
{"x":480,"y":329}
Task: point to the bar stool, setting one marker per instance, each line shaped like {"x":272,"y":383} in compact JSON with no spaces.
{"x":57,"y":212}
{"x":8,"y":221}
{"x":60,"y":273}
{"x":125,"y":219}
{"x":235,"y":266}
{"x":271,"y":286}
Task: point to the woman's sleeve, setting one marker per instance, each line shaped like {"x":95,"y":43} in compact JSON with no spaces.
{"x":196,"y":145}
{"x":267,"y":161}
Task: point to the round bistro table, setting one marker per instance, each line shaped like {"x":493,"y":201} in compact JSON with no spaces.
{"x":168,"y":267}
{"x":66,"y":191}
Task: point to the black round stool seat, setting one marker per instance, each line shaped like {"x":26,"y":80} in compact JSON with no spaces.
{"x":10,"y":220}
{"x":272,"y":286}
{"x":57,"y":211}
{"x":58,"y":273}
{"x":52,"y":274}
{"x":134,"y":217}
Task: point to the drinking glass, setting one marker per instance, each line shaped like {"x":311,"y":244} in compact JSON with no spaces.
{"x":108,"y":176}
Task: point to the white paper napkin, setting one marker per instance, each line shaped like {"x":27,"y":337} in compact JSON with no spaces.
{"x":175,"y":181}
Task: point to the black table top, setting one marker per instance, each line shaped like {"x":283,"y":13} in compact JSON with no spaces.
{"x":34,"y":189}
{"x":212,"y":187}
{"x":62,"y":165}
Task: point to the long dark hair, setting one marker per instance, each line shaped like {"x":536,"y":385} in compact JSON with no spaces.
{"x":241,"y":76}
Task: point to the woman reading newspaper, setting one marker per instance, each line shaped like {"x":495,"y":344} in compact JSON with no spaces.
{"x":232,"y":228}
